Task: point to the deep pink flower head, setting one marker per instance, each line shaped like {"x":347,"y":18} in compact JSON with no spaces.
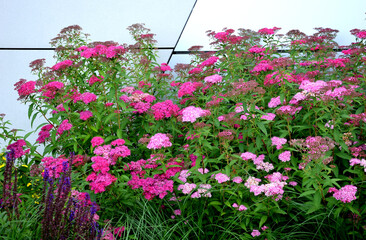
{"x":16,"y":149}
{"x":165,"y":109}
{"x":118,"y":142}
{"x":97,"y":141}
{"x":85,"y":115}
{"x":88,"y":97}
{"x":64,"y":126}
{"x":158,"y":141}
{"x":62,"y":65}
{"x":93,"y":79}
{"x":27,"y":88}
{"x":361,"y":34}
{"x":164,"y":67}
{"x":188,"y":88}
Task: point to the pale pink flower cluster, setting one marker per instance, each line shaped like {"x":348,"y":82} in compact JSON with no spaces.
{"x":191,"y":113}
{"x":313,"y":87}
{"x":258,"y":161}
{"x":239,"y":207}
{"x":213,"y":79}
{"x":356,"y":161}
{"x":273,"y":188}
{"x":237,"y":179}
{"x":203,"y":171}
{"x":268,"y":116}
{"x":300,"y":96}
{"x":158,"y":141}
{"x":346,"y":194}
{"x":288,"y":110}
{"x":184,"y":174}
{"x":202,"y":191}
{"x":187,"y":187}
{"x":255,"y":233}
{"x":278,"y":142}
{"x":220,"y":177}
{"x":285,"y":156}
{"x":274,"y":102}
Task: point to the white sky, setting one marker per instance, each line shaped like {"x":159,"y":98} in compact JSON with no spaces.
{"x":25,"y":23}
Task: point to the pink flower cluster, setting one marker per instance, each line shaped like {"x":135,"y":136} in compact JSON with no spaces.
{"x":274,"y":102}
{"x":50,"y":89}
{"x":285,"y":156}
{"x":346,"y":194}
{"x":85,"y":115}
{"x":191,"y":113}
{"x":278,"y":142}
{"x":239,"y":207}
{"x":165,"y":109}
{"x":188,"y":88}
{"x":54,"y":165}
{"x":62,"y":65}
{"x":268,"y":31}
{"x":273,"y":188}
{"x":268,"y":116}
{"x":213,"y":79}
{"x":160,"y":184}
{"x":106,"y":156}
{"x":101,"y":50}
{"x":256,"y":49}
{"x":209,"y":61}
{"x":158,"y":141}
{"x":93,"y":79}
{"x":88,"y":97}
{"x":16,"y":149}
{"x":64,"y":126}
{"x":356,"y":161}
{"x":220,"y":177}
{"x":44,"y":133}
{"x":258,"y":161}
{"x":27,"y":88}
{"x":263,"y":66}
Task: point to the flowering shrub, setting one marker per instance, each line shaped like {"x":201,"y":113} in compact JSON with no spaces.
{"x":242,"y":137}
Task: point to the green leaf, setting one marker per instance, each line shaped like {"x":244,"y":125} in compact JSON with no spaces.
{"x":262,"y":128}
{"x":263,"y":220}
{"x":119,"y":133}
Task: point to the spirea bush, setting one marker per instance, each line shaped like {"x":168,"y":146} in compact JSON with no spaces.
{"x":263,"y":138}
